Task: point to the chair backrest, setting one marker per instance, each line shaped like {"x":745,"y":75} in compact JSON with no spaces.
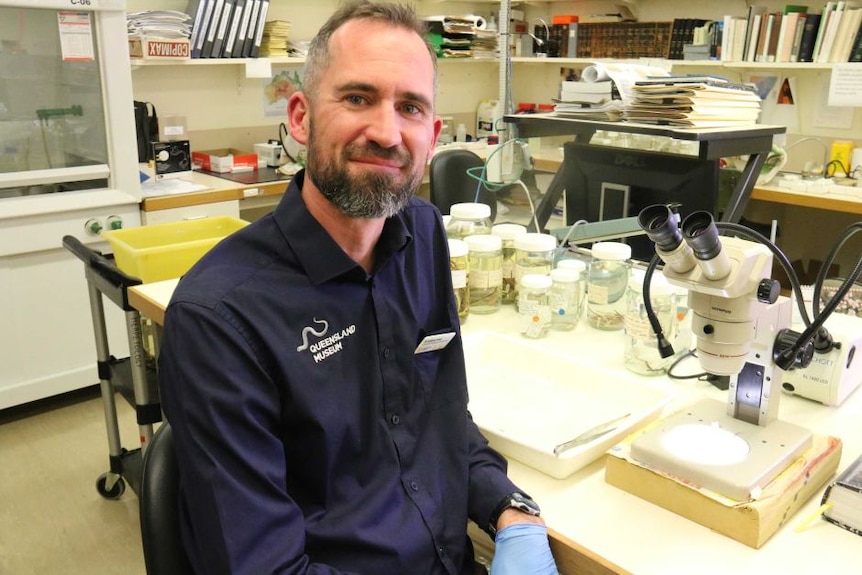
{"x":450,"y":183}
{"x":159,"y":498}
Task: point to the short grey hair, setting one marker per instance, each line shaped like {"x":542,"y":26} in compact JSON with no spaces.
{"x":399,"y":15}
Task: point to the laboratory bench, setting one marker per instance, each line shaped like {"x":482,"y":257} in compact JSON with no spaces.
{"x":598,"y":529}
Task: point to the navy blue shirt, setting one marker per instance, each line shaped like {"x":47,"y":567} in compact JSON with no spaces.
{"x":311,"y":438}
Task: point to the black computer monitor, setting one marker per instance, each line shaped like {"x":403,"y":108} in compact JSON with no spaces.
{"x":604,"y":183}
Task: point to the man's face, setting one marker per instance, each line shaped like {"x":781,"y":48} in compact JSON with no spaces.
{"x":370,"y":128}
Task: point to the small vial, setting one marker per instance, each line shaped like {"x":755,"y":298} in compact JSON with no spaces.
{"x":606,"y":285}
{"x":468,"y":219}
{"x":534,"y":254}
{"x":458,"y":264}
{"x":533,"y":309}
{"x":564,"y":298}
{"x":508,"y":233}
{"x":641,"y":353}
{"x":485,"y":278}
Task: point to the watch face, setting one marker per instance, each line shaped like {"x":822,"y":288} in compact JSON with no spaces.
{"x":525,"y":504}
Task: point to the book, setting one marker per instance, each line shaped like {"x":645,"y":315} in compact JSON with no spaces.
{"x":829,"y":32}
{"x":824,"y":20}
{"x":856,"y":49}
{"x":752,"y":30}
{"x":253,"y":8}
{"x":201,"y":12}
{"x":258,"y":31}
{"x":221,"y":32}
{"x":233,"y":28}
{"x":753,"y":38}
{"x":572,"y":46}
{"x":785,"y":36}
{"x":774,"y":33}
{"x":845,"y":35}
{"x":797,"y":36}
{"x":763,"y":37}
{"x":843,"y":499}
{"x":242,"y":31}
{"x":212,"y":28}
{"x":809,"y":33}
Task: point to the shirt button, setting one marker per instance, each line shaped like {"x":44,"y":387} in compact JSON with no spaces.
{"x":386,"y":353}
{"x":441,"y":552}
{"x":394,"y":419}
{"x":414,"y":485}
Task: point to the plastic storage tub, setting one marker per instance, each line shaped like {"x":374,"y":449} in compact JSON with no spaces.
{"x":166,"y":251}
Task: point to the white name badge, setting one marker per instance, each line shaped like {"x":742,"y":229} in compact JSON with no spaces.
{"x":434,"y":342}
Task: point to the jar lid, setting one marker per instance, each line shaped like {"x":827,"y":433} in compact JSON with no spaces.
{"x":484,"y":243}
{"x":536,"y":281}
{"x":508,"y":231}
{"x":458,"y":248}
{"x":565,"y":275}
{"x":611,"y":251}
{"x":572,"y":264}
{"x":535,"y":242}
{"x":470,"y":210}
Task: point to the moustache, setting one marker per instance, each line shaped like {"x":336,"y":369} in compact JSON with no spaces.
{"x":372,"y":150}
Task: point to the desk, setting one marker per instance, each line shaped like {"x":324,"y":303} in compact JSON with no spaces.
{"x":837,"y":200}
{"x":597,"y":529}
{"x":713,"y":144}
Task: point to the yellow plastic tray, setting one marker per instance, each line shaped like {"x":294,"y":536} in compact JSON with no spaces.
{"x":166,"y":251}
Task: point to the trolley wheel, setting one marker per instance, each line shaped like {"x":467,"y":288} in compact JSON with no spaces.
{"x":117,"y":489}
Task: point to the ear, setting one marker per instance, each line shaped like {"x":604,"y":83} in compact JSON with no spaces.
{"x":438,"y":127}
{"x":298,"y":114}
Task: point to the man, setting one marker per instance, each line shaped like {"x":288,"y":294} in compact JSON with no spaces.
{"x":312,"y":366}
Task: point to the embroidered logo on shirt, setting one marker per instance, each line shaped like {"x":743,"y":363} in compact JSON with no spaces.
{"x":328,"y":346}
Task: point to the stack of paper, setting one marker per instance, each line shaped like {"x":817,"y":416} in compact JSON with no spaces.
{"x":693,"y":102}
{"x":159,"y":24}
{"x":274,"y":42}
{"x":589,"y":100}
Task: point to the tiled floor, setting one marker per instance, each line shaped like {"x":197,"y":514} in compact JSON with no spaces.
{"x":52,"y":519}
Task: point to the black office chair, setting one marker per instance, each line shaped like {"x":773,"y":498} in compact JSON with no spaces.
{"x":450,"y":183}
{"x":160,"y":519}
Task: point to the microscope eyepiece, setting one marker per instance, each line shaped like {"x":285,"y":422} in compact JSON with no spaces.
{"x":660,"y":225}
{"x":701,"y":234}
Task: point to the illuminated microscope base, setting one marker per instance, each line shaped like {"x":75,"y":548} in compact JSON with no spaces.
{"x":703,"y":445}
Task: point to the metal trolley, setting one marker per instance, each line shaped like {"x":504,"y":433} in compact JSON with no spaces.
{"x":134,"y":377}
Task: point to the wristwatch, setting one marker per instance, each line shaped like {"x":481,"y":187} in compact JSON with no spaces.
{"x":514,"y":500}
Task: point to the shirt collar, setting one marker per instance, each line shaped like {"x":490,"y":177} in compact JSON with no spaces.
{"x":317,"y":252}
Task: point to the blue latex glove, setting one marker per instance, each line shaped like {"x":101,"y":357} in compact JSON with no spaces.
{"x":523,"y":549}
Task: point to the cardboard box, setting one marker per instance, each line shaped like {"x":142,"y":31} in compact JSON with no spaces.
{"x":160,"y":48}
{"x":225,"y":160}
{"x":749,"y":522}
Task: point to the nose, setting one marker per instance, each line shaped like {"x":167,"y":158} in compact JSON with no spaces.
{"x":384,"y":126}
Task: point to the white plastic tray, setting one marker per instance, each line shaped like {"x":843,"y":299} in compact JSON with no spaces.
{"x":527,"y":400}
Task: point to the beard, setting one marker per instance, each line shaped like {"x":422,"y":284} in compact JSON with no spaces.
{"x":367,"y":194}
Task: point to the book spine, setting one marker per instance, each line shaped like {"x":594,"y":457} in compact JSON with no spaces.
{"x":258,"y":33}
{"x":856,"y":50}
{"x":572,"y":45}
{"x":797,"y":37}
{"x":809,"y":33}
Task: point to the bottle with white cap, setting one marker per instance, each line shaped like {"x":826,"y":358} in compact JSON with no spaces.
{"x":534,"y":254}
{"x":485,"y":280}
{"x":533,"y":305}
{"x":567,"y":295}
{"x":607,"y":281}
{"x":468,"y":219}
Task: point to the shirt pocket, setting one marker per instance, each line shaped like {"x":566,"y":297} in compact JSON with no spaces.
{"x":441,"y":375}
